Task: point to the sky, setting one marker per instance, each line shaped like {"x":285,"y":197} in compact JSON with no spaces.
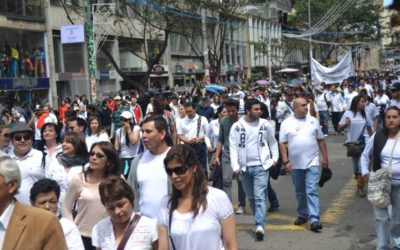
{"x":387,"y":2}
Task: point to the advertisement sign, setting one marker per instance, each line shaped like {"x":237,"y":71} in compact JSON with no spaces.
{"x":72,"y":34}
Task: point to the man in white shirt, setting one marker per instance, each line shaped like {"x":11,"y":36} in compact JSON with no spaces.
{"x":44,"y":194}
{"x":351,"y":93}
{"x":300,"y":138}
{"x":253,"y":150}
{"x":337,"y":107}
{"x":23,"y":227}
{"x":30,"y":160}
{"x":147,"y":176}
{"x":395,"y":89}
{"x":192,"y":130}
{"x":323,"y":101}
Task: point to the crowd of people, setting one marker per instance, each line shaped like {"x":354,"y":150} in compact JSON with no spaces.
{"x":158,"y":175}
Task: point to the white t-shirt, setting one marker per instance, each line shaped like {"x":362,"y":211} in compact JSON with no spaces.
{"x":153,"y":183}
{"x":385,"y":156}
{"x":92,"y":139}
{"x":71,"y":235}
{"x":188,"y":127}
{"x":381,"y":100}
{"x":204,"y":231}
{"x":143,"y":236}
{"x":127,"y":151}
{"x":348,"y":98}
{"x":252,"y":154}
{"x":368,"y":88}
{"x":357,"y":125}
{"x":31,"y":169}
{"x":213,"y":132}
{"x":301,"y":136}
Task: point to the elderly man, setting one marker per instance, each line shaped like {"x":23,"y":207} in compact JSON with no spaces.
{"x":23,"y":227}
{"x":303,"y":136}
{"x":30,"y":160}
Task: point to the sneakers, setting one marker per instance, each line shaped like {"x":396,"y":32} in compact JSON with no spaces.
{"x":259,"y":233}
{"x":316,"y":226}
{"x":240,"y":210}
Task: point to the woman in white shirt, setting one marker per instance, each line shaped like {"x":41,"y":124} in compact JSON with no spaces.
{"x":355,"y":121}
{"x":379,"y":150}
{"x":127,"y":141}
{"x":216,"y":103}
{"x":195,"y":216}
{"x":95,"y":132}
{"x":118,"y":199}
{"x":50,"y":133}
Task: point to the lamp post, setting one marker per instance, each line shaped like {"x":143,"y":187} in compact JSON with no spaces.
{"x":91,"y":52}
{"x":309,"y":39}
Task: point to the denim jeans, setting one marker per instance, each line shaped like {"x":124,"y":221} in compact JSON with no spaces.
{"x":324,"y":117}
{"x":227,"y":173}
{"x":305,"y":182}
{"x":272,"y":198}
{"x":387,"y":226}
{"x":356,"y":164}
{"x":255,"y":182}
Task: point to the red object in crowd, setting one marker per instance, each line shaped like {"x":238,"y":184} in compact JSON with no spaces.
{"x":111,"y":105}
{"x":61,"y":110}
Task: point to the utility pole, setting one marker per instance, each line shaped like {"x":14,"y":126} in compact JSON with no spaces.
{"x":205,"y":46}
{"x":91,"y":52}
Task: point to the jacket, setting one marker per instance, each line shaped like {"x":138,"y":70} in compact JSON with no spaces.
{"x":267,"y":145}
{"x":33,"y":228}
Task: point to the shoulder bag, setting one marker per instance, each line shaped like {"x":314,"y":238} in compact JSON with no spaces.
{"x":354,"y":148}
{"x":129,"y":230}
{"x":380,"y":183}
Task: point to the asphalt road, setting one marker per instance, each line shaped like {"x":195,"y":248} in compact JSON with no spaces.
{"x":347,"y":219}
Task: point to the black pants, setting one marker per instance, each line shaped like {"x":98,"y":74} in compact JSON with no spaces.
{"x":336,"y":119}
{"x":217,"y":180}
{"x":87,"y":243}
{"x":201,"y":153}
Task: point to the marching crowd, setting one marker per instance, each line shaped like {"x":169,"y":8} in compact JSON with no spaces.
{"x":158,"y":175}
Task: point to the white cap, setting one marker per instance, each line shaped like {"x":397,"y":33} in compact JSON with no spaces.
{"x":126,"y":115}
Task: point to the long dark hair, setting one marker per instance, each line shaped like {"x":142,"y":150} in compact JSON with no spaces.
{"x":79,"y":143}
{"x":112,"y":165}
{"x":185,"y":154}
{"x":56,"y":128}
{"x":92,"y":118}
{"x":354,"y":105}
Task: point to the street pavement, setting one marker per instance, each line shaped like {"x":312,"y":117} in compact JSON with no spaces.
{"x":346,"y":218}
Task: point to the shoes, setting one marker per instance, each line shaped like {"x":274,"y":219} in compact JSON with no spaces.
{"x":259,"y":233}
{"x":273,"y":209}
{"x":300,"y":221}
{"x":316,"y":226}
{"x":326,"y":135}
{"x":240,"y":210}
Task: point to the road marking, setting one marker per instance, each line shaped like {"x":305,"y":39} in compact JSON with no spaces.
{"x":269,"y":227}
{"x":338,"y":206}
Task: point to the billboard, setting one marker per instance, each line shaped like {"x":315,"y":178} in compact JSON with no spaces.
{"x":72,"y":34}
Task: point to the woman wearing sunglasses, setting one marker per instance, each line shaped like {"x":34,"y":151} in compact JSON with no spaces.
{"x":95,"y":132}
{"x":84,"y":190}
{"x":126,"y":141}
{"x":195,"y":216}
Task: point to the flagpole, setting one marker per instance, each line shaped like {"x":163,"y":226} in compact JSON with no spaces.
{"x":309,"y":39}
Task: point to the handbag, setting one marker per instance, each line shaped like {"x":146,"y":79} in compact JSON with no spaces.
{"x":129,"y":230}
{"x":380,"y":183}
{"x":354,"y":149}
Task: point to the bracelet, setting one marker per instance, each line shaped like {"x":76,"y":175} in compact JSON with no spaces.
{"x":284,"y":163}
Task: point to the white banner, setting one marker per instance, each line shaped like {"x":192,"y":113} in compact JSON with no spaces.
{"x":336,"y":74}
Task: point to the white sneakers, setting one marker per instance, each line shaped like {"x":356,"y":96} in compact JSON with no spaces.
{"x":240,"y":210}
{"x":259,"y":233}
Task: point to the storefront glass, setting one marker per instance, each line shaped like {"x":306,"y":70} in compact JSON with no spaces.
{"x":22,"y":9}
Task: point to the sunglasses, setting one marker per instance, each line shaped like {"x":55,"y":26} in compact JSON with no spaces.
{"x":98,"y":155}
{"x":178,"y":170}
{"x":20,"y":137}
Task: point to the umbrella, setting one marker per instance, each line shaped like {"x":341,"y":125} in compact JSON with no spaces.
{"x":262,"y":82}
{"x":213,"y":88}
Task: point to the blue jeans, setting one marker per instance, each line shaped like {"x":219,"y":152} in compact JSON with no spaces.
{"x":255,"y":183}
{"x":305,"y":182}
{"x":356,"y":165}
{"x":387,"y":227}
{"x":324,"y":118}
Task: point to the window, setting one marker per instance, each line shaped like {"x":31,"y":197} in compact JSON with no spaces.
{"x":23,"y":9}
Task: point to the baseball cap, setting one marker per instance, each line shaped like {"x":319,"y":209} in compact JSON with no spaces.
{"x":326,"y":175}
{"x":126,"y":115}
{"x":117,"y":97}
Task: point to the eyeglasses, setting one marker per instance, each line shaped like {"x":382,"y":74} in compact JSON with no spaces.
{"x":178,"y":170}
{"x":20,"y":137}
{"x":98,"y":155}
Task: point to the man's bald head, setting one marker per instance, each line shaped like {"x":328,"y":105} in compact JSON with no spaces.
{"x":298,"y":101}
{"x":300,"y":107}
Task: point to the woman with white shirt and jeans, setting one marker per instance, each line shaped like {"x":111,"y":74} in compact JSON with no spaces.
{"x":379,"y":149}
{"x":355,"y":121}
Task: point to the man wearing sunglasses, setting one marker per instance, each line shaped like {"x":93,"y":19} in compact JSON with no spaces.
{"x":28,"y":159}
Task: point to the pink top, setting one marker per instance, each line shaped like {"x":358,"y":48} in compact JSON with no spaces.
{"x":90,"y":208}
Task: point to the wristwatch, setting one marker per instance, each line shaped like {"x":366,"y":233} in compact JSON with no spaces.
{"x":284,"y":163}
